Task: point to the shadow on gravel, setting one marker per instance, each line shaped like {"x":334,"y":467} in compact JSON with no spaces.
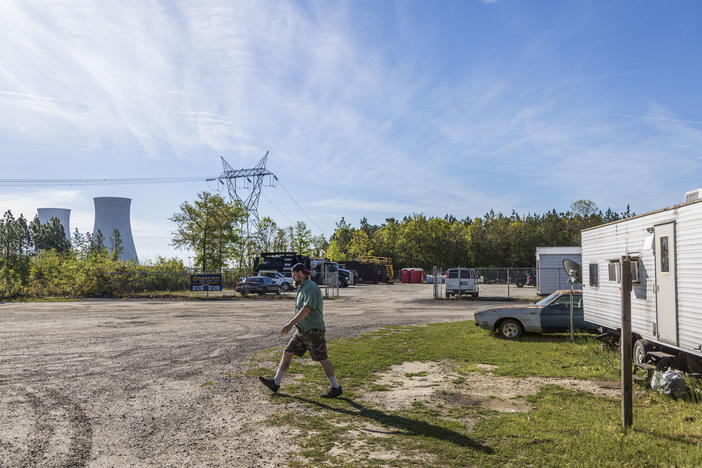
{"x":405,"y":425}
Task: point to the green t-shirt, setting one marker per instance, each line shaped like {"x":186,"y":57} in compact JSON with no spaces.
{"x":310,"y":295}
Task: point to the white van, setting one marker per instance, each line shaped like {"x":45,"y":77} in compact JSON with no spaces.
{"x":461,"y":281}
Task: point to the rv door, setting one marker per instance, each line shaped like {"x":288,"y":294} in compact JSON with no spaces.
{"x":666,"y":298}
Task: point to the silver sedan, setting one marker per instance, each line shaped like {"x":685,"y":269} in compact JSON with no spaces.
{"x":551,"y":314}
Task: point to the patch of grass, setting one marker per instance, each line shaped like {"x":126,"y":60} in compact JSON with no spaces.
{"x":40,"y":299}
{"x":409,"y":375}
{"x":565,"y":428}
{"x":208,"y":383}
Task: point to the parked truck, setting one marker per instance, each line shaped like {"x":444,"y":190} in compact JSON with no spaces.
{"x":323,"y":270}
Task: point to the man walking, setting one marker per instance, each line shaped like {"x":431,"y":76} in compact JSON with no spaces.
{"x":309,"y":320}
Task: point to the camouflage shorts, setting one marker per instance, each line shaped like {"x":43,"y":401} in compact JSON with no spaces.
{"x":312,"y":340}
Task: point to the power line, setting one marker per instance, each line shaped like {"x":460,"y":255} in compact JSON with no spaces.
{"x":278,"y":209}
{"x":125,"y":181}
{"x":301,"y":208}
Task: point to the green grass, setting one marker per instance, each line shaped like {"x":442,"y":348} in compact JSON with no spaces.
{"x":565,"y":428}
{"x":40,"y":299}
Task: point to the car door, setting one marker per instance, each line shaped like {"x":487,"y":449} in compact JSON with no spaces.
{"x":452,"y":280}
{"x":556,"y":315}
{"x":467,"y":278}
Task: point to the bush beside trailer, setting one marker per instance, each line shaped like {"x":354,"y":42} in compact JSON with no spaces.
{"x":666,"y":298}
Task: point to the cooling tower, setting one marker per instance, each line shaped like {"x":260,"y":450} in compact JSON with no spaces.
{"x":63,"y":214}
{"x":113,"y":213}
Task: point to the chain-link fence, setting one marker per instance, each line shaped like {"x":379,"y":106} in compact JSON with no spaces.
{"x":331,"y":281}
{"x":498,"y":283}
{"x":123,"y":283}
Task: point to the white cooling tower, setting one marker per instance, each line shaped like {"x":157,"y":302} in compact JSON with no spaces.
{"x":113,"y":213}
{"x":63,"y":215}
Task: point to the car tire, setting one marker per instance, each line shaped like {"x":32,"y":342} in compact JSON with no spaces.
{"x":510,"y":329}
{"x":285,"y":286}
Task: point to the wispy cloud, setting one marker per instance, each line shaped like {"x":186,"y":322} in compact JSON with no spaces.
{"x":365,"y":122}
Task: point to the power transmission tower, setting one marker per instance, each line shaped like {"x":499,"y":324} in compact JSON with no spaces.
{"x":244,"y":185}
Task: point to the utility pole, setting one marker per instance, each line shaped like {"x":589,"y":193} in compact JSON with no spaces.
{"x":625,"y":344}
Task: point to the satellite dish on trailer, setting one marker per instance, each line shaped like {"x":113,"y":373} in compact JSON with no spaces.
{"x":574,"y":271}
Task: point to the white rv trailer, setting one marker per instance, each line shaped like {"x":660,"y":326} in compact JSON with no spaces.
{"x":666,"y":297}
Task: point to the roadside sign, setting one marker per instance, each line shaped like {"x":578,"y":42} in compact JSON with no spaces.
{"x":210,"y":282}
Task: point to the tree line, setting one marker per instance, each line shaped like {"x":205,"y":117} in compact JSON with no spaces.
{"x":38,"y":260}
{"x":492,"y":240}
{"x":212,"y":228}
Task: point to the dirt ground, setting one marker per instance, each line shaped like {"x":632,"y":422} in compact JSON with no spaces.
{"x":155,"y":382}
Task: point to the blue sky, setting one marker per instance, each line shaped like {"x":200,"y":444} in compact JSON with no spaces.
{"x":368,"y":108}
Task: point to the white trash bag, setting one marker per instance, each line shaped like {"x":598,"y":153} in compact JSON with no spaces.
{"x":670,"y":382}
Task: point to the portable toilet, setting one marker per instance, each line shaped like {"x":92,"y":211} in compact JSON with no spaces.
{"x":417,"y":275}
{"x":406,"y":275}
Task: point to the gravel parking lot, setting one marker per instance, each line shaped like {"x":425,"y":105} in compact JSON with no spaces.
{"x":155,"y":382}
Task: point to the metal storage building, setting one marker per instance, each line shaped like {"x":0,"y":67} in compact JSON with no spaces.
{"x":550,"y":274}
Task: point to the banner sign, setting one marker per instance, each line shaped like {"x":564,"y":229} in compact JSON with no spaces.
{"x":206,"y":282}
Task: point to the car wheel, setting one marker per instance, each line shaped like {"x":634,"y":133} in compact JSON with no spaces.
{"x":640,"y":352}
{"x":520,"y":285}
{"x":511,"y":329}
{"x":286,"y":286}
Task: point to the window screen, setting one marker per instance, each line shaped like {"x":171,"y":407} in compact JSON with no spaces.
{"x":594,"y":275}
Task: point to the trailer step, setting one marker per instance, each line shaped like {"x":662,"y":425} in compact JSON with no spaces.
{"x":661,"y":354}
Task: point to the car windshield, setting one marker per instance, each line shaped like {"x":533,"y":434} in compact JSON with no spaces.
{"x":548,"y":299}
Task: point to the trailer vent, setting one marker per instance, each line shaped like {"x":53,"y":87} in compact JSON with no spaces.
{"x":693,"y":195}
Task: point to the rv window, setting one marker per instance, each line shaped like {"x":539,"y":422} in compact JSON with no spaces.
{"x":635,"y":271}
{"x":665,"y":265}
{"x":614,"y":271}
{"x":594,"y":275}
